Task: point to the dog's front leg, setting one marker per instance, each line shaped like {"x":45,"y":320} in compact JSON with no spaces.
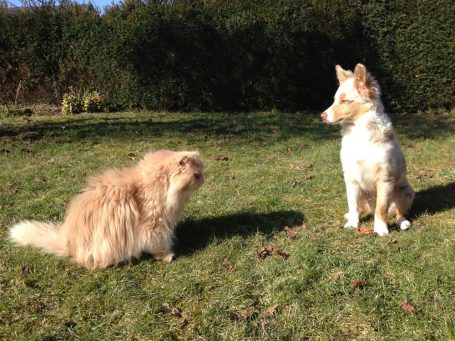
{"x":353,"y":194}
{"x":384,"y":191}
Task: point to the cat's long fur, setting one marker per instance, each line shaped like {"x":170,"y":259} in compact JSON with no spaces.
{"x":121,"y":213}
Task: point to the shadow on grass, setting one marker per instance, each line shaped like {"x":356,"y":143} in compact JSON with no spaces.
{"x":285,"y":125}
{"x":433,"y":200}
{"x":202,"y":125}
{"x":424,"y":125}
{"x":194,"y":235}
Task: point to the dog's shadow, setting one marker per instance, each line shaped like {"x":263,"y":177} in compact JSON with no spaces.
{"x":433,"y":200}
{"x":194,"y":235}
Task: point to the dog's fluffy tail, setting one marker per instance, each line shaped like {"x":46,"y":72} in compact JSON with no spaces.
{"x":43,"y":235}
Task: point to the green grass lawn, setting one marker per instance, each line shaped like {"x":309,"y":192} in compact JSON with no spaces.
{"x":264,"y":171}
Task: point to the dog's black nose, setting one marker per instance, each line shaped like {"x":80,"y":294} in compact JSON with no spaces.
{"x":324,"y":116}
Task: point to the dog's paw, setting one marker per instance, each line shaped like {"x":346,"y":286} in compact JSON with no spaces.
{"x":381,"y":228}
{"x":403,"y":223}
{"x":352,"y":221}
{"x":351,"y":225}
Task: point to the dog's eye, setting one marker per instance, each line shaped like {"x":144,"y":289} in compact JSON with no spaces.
{"x":346,"y":101}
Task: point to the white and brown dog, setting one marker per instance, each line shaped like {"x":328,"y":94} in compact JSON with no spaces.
{"x":373,"y":164}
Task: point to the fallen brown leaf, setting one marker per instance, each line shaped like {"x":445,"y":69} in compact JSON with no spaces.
{"x":222,"y":158}
{"x":167,"y":307}
{"x":183,"y":323}
{"x":25,"y":270}
{"x":290,"y":232}
{"x":13,"y":189}
{"x":176,"y":312}
{"x":314,"y":237}
{"x":132,"y":155}
{"x":308,"y":177}
{"x":279,"y":253}
{"x":263,"y":252}
{"x":246,"y":314}
{"x":358,"y":283}
{"x":364,"y":230}
{"x":391,"y":241}
{"x":408,"y":307}
{"x":271,"y":311}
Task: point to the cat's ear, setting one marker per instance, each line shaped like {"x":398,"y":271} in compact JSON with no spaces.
{"x":183,"y":161}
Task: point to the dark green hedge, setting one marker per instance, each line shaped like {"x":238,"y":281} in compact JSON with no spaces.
{"x":229,"y":55}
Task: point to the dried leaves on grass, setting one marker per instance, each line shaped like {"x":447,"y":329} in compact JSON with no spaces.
{"x":359,"y":284}
{"x":290,"y":232}
{"x":167,"y":307}
{"x":246,"y":314}
{"x":221,"y":158}
{"x":409,"y":308}
{"x":264,"y":252}
{"x":271,"y":311}
{"x":364,"y":230}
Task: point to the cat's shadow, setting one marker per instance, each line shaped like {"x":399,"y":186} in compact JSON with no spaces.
{"x":194,"y":235}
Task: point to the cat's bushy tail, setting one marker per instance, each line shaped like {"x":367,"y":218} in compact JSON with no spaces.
{"x":39,"y":234}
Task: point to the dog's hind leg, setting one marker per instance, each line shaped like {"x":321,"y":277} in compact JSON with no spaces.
{"x":384,"y":192}
{"x":403,"y":196}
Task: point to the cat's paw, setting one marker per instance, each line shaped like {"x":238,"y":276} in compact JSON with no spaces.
{"x":168,"y":258}
{"x":165,"y":257}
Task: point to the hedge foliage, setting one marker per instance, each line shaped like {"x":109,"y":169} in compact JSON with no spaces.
{"x":228,"y":54}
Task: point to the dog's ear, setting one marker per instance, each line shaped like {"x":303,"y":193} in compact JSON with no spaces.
{"x":183,"y":161}
{"x":342,"y":74}
{"x":364,"y":82}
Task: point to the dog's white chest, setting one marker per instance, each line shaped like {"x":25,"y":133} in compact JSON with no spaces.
{"x":360,"y":159}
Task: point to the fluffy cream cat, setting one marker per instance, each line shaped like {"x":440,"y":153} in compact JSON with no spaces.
{"x":121,"y":213}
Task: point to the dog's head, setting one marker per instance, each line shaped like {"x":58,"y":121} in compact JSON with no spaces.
{"x":357,"y":94}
